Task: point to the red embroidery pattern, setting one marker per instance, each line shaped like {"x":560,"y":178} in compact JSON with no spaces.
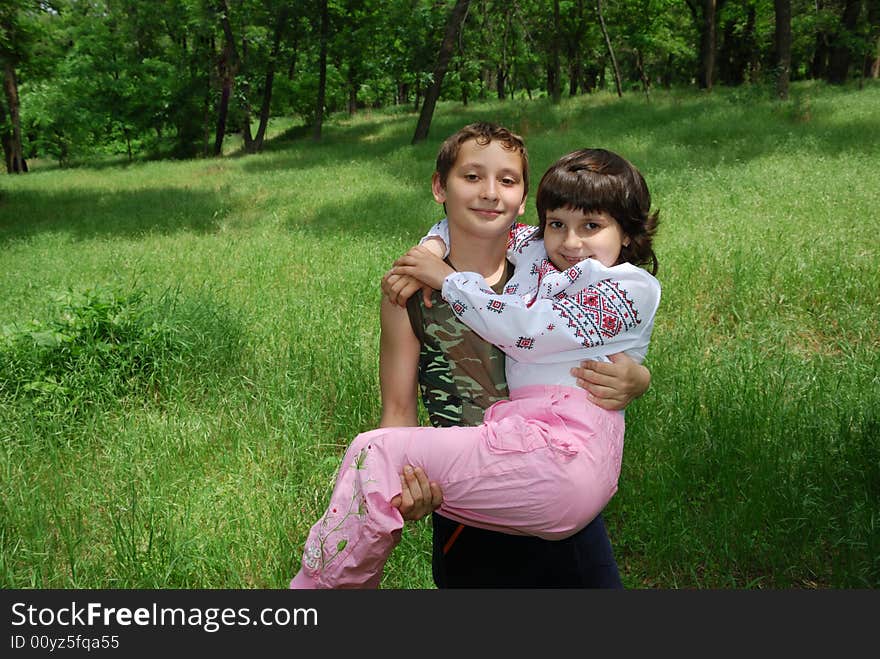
{"x":496,"y":305}
{"x":599,"y":312}
{"x":520,"y":237}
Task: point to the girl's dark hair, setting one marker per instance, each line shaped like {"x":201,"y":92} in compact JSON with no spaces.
{"x":591,"y":180}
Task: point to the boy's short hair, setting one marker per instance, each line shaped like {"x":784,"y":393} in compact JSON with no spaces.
{"x":597,"y":180}
{"x":483,"y":133}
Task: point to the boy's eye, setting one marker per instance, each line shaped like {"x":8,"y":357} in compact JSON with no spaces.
{"x":471,"y":177}
{"x":508,"y":180}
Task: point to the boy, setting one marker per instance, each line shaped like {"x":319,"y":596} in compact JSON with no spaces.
{"x":482,"y":181}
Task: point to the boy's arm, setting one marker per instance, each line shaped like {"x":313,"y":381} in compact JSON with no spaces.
{"x":398,"y":368}
{"x":398,"y":381}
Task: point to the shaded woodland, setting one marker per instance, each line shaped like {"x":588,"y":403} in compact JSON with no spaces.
{"x":172,"y":78}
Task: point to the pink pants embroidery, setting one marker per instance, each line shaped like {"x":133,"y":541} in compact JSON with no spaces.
{"x":543,"y":463}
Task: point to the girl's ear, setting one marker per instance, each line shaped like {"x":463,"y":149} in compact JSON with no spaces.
{"x":438,"y":189}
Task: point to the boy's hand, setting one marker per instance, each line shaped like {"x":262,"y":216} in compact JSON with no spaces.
{"x":421,"y":263}
{"x":418,"y":496}
{"x":613,"y":386}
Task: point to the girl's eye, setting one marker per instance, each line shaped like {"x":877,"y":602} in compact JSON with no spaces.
{"x":592,"y":226}
{"x":554,"y":224}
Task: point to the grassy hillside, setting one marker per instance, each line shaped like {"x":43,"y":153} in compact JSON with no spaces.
{"x":187,"y":347}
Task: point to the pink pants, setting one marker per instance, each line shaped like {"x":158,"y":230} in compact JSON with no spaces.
{"x":543,"y":463}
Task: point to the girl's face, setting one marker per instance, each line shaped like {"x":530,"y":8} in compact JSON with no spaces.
{"x":570,"y":236}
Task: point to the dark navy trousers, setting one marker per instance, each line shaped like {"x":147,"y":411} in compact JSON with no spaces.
{"x":476,"y":558}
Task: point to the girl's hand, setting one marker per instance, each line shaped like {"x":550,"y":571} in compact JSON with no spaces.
{"x":400,"y":288}
{"x":422,"y":264}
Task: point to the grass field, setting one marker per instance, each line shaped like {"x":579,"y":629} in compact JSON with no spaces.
{"x":187,"y":347}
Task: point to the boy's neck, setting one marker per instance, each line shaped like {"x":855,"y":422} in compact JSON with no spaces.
{"x":485,"y":256}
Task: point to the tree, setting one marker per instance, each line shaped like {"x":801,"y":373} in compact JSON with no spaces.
{"x":610,"y":49}
{"x":738,"y":52}
{"x":872,"y":51}
{"x":227,"y":66}
{"x":705,"y":15}
{"x":281,"y":21}
{"x":322,"y":71}
{"x":841,"y":51}
{"x":453,"y":27}
{"x":782,"y":46}
{"x":554,"y":66}
{"x":15,"y":36}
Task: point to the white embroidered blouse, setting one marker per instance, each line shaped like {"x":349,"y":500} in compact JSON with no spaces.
{"x":547,"y":321}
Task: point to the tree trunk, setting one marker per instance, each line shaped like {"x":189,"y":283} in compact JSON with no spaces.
{"x":226,"y":79}
{"x":554,"y":69}
{"x":15,"y":162}
{"x":736,"y":58}
{"x":352,"y":90}
{"x":280,"y":27}
{"x":6,"y":139}
{"x":667,"y":72}
{"x":322,"y":73}
{"x":223,"y":108}
{"x":245,"y":103}
{"x":872,"y":54}
{"x":227,"y":68}
{"x":819,"y":65}
{"x":840,"y":55}
{"x":708,"y":38}
{"x":575,"y":76}
{"x":782,"y":46}
{"x":453,"y":28}
{"x":610,"y":49}
{"x":640,"y":68}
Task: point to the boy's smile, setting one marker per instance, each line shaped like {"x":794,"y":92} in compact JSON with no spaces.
{"x":484,"y":189}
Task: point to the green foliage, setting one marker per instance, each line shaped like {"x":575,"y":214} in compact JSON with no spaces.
{"x":102,"y":347}
{"x":144,"y":78}
{"x":99,"y":347}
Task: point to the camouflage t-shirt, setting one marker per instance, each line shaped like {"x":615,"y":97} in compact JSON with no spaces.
{"x":460,"y":374}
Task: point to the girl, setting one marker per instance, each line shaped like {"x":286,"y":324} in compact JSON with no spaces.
{"x":547,"y":461}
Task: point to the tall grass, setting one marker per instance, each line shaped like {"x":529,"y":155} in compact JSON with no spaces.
{"x":187,"y":347}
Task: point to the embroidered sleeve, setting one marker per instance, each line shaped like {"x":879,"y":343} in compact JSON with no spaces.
{"x":441,"y":231}
{"x":587,"y":311}
{"x":519,"y":239}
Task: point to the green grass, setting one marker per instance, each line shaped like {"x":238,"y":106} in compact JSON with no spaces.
{"x":187,"y":347}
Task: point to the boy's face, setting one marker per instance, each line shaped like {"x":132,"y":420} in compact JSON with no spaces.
{"x":484,"y":190}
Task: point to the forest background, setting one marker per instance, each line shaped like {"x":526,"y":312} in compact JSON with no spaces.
{"x":190,"y":253}
{"x":172,"y":77}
